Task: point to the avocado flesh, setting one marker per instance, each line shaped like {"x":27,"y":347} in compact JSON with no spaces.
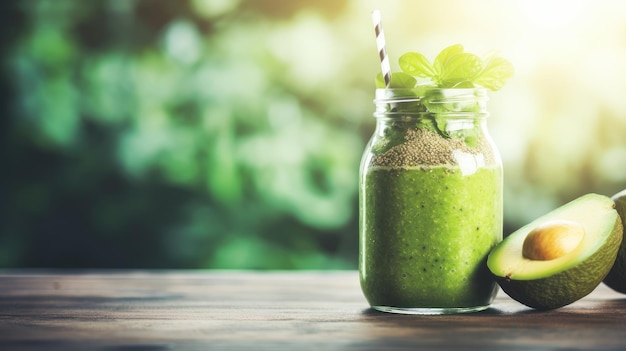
{"x":555,"y":283}
{"x":616,"y":279}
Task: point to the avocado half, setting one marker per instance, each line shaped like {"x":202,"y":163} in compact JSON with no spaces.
{"x":616,"y":279}
{"x":552,"y":283}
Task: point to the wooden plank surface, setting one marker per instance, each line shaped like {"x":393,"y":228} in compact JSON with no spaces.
{"x":183,"y":310}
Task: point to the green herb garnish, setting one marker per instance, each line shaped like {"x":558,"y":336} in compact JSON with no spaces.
{"x":452,"y":68}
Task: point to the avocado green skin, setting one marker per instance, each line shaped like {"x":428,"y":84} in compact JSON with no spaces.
{"x":616,"y":279}
{"x":570,"y":285}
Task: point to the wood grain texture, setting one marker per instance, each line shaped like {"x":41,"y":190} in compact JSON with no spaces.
{"x":232,"y":310}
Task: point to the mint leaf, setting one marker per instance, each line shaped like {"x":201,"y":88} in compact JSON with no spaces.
{"x":402,"y":80}
{"x":379,"y":81}
{"x":416,"y":64}
{"x":496,"y":72}
{"x":452,"y":68}
{"x":462,"y":67}
{"x":398,"y":80}
{"x":441,"y":61}
{"x":463,"y":84}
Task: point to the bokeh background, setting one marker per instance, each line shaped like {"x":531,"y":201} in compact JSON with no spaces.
{"x":228,"y":133}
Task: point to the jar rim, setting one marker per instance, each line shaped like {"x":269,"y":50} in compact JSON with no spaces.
{"x":447,"y":115}
{"x":417,"y":93}
{"x":423,"y":101}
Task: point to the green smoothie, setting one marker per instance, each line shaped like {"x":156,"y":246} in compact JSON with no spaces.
{"x":426,"y":234}
{"x":430,"y":188}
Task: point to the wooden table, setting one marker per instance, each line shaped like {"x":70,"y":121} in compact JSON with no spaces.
{"x":232,"y":310}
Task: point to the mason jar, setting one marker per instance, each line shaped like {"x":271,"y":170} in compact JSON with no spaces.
{"x":430,"y":202}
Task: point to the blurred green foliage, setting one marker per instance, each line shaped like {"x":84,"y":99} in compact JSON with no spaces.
{"x":227,"y":133}
{"x":166,"y":134}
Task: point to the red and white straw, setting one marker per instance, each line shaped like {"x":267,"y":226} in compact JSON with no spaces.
{"x":380,"y":44}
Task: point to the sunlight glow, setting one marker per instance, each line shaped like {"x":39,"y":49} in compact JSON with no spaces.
{"x":552,"y":13}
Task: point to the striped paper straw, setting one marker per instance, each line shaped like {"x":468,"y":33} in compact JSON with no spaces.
{"x":380,"y":44}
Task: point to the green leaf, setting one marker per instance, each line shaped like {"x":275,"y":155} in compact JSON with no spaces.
{"x":497,"y":71}
{"x":402,"y":80}
{"x":459,"y":68}
{"x":463,"y":84}
{"x":416,"y":64}
{"x":379,"y":81}
{"x":398,"y":80}
{"x":452,"y":68}
{"x":442,"y":59}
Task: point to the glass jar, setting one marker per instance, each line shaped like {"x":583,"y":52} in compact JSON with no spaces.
{"x":430,"y":203}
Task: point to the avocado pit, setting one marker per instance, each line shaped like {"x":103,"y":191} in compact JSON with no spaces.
{"x":552,"y":240}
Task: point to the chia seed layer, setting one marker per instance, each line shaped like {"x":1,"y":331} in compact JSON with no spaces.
{"x":423,"y":147}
